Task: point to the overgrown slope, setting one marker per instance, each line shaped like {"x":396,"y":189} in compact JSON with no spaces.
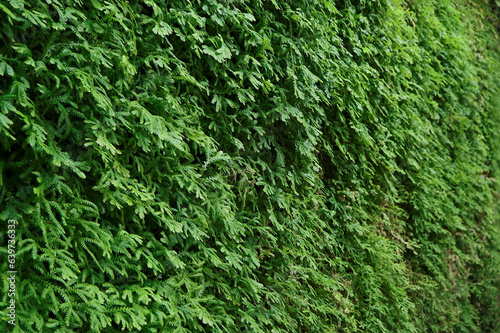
{"x":250,"y":165}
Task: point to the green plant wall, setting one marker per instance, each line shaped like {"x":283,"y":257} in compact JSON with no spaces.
{"x":250,"y":165}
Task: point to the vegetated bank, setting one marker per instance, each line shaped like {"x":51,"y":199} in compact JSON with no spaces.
{"x":251,"y":165}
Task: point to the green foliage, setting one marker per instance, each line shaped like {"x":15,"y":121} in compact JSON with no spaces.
{"x":251,"y":165}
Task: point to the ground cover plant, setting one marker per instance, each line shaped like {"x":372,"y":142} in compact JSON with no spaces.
{"x":250,"y":165}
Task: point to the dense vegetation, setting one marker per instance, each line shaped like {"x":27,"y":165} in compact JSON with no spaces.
{"x":250,"y":165}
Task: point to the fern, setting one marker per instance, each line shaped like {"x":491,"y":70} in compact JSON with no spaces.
{"x":250,"y":165}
